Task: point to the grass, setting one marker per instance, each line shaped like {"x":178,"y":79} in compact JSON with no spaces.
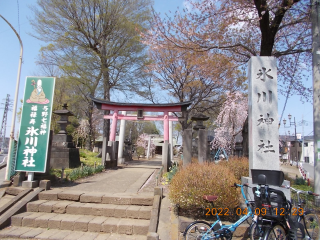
{"x":88,"y":160}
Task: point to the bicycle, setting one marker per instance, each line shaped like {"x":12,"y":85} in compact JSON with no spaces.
{"x":202,"y":230}
{"x":307,"y":217}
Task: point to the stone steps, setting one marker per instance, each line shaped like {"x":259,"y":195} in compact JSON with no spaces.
{"x":78,"y":208}
{"x":82,"y":223}
{"x":55,"y":234}
{"x":59,"y":214}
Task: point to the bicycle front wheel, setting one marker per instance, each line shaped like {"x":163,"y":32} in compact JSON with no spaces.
{"x":198,"y":231}
{"x":311,"y":226}
{"x":257,"y":231}
{"x":275,"y":232}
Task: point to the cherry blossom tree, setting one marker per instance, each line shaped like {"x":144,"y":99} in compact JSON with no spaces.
{"x":143,"y":141}
{"x":230,"y":121}
{"x":240,"y":29}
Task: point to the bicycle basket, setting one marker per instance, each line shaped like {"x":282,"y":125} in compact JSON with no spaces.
{"x":270,"y":203}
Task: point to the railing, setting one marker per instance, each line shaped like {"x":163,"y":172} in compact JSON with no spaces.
{"x":13,"y":155}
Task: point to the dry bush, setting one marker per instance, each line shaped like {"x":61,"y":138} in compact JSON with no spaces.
{"x":239,"y":167}
{"x":192,"y":182}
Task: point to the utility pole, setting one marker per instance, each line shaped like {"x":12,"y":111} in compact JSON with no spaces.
{"x":315,"y":19}
{"x":14,"y":105}
{"x":4,"y":123}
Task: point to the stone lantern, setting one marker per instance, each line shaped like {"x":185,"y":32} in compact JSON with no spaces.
{"x":63,"y":152}
{"x":199,"y":118}
{"x":202,"y":136}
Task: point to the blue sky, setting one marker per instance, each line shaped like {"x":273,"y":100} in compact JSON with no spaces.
{"x":10,"y":50}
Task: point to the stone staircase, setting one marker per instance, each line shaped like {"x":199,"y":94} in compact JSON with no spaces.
{"x":59,"y":214}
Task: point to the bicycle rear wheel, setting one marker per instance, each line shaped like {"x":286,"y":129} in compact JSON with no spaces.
{"x":197,"y":230}
{"x":311,"y":226}
{"x":276,"y":232}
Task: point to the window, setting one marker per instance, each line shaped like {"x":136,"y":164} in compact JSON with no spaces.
{"x":306,"y":159}
{"x":306,"y":144}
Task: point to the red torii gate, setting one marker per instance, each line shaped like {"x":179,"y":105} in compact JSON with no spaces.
{"x":140,"y":108}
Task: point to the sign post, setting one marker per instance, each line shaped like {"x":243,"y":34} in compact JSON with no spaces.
{"x":35,"y":125}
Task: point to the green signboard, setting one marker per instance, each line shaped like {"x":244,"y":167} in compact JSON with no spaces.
{"x":35,"y":124}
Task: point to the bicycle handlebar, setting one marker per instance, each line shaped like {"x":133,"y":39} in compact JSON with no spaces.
{"x":300,"y":191}
{"x":239,"y":185}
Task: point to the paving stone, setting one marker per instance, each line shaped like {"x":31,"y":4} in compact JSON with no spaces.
{"x":133,"y":211}
{"x":61,"y":206}
{"x":75,"y":208}
{"x":60,"y":235}
{"x":98,"y":209}
{"x":95,"y":224}
{"x":14,"y":190}
{"x":51,"y":195}
{"x":117,"y":199}
{"x":108,"y":210}
{"x":47,"y":233}
{"x":91,"y":197}
{"x":32,"y":233}
{"x":143,"y":201}
{"x":16,"y":220}
{"x":110,"y":225}
{"x":120,"y":211}
{"x":43,"y":220}
{"x":68,"y":222}
{"x":55,"y":222}
{"x":86,"y":208}
{"x":89,"y":236}
{"x":47,"y":206}
{"x":145,"y":212}
{"x":70,"y":195}
{"x":74,"y":236}
{"x":125,"y":226}
{"x":28,"y":221}
{"x":34,"y":206}
{"x":82,"y":223}
{"x":4,"y":232}
{"x":141,"y":227}
{"x":103,"y":236}
{"x":16,"y":233}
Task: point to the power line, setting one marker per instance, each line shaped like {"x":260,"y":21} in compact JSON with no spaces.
{"x":4,"y":122}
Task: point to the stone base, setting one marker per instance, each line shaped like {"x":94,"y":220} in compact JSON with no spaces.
{"x":45,"y":184}
{"x":17,"y":180}
{"x":64,"y":158}
{"x":30,"y":184}
{"x":121,"y":161}
{"x":5,"y":184}
{"x":111,"y":164}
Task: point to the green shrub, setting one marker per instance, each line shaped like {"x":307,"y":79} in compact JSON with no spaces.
{"x":239,"y":166}
{"x":140,"y":151}
{"x":173,"y":170}
{"x":86,"y":171}
{"x":192,"y":182}
{"x":299,"y":181}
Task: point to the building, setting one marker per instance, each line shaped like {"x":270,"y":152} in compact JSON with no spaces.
{"x":291,"y":149}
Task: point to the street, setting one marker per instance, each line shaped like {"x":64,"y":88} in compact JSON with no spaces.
{"x":309,"y":168}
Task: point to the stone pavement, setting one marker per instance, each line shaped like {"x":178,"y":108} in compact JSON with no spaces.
{"x":124,"y":206}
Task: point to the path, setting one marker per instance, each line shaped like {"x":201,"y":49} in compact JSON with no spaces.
{"x":126,"y":179}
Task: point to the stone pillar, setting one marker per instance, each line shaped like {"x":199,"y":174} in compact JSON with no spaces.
{"x":202,"y":145}
{"x":148,"y":150}
{"x":104,"y":151}
{"x":263,"y":114}
{"x":187,"y":146}
{"x":165,"y":156}
{"x":121,"y":139}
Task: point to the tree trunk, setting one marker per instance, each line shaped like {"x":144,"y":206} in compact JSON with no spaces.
{"x":245,"y":138}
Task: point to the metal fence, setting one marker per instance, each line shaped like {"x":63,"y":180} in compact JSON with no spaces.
{"x":12,"y":163}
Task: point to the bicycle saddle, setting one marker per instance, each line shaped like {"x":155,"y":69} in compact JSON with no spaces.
{"x":210,"y":198}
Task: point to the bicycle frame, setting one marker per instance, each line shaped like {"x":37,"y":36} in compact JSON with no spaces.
{"x":233,"y":226}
